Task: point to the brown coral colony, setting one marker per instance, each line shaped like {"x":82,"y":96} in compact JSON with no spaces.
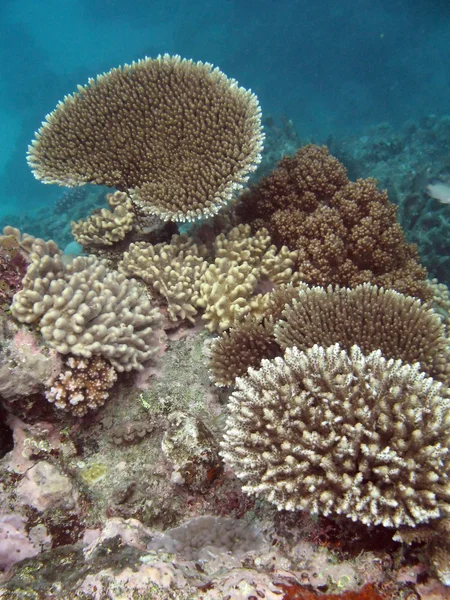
{"x":346,"y":233}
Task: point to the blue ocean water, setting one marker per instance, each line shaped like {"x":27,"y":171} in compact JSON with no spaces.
{"x":332,"y":67}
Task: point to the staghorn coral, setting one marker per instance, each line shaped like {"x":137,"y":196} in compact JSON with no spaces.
{"x":106,"y":227}
{"x":333,"y":432}
{"x":86,"y":309}
{"x":371,"y":317}
{"x":83,"y":384}
{"x":346,"y":233}
{"x":178,"y":136}
{"x":173,"y":270}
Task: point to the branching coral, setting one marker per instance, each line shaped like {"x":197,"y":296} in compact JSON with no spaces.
{"x":345,"y":233}
{"x":173,"y":270}
{"x":86,"y":309}
{"x":178,"y":136}
{"x":83,"y":384}
{"x":244,"y":266}
{"x":333,"y":432}
{"x":106,"y":227}
{"x":242,"y":347}
{"x":227,"y":288}
{"x":371,"y":317}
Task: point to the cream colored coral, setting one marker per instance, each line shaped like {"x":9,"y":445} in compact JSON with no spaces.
{"x":224,"y":293}
{"x":226,"y":288}
{"x":86,"y":309}
{"x":180,"y":137}
{"x":24,"y":240}
{"x":106,"y":227}
{"x":174,"y":270}
{"x":243,"y":264}
{"x":333,"y":432}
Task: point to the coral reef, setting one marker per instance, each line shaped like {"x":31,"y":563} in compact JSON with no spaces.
{"x":127,"y":124}
{"x":83,"y":384}
{"x":336,"y":436}
{"x":345,"y":232}
{"x":371,"y":317}
{"x":86,"y":309}
{"x":333,"y":432}
{"x":106,"y":227}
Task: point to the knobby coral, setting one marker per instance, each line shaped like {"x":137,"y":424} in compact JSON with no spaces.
{"x":226,"y":288}
{"x":106,"y":227}
{"x":336,"y":432}
{"x":345,"y":232}
{"x":173,"y":270}
{"x":86,"y":309}
{"x":83,"y":384}
{"x":178,"y":136}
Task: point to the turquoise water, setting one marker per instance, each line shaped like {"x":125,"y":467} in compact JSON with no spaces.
{"x":332,"y":67}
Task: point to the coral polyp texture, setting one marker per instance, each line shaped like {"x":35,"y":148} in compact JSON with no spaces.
{"x":336,"y":432}
{"x":242,"y":347}
{"x":86,"y":309}
{"x":179,"y":136}
{"x":371,"y":317}
{"x":345,"y":232}
{"x":83,"y":384}
{"x":106,"y":227}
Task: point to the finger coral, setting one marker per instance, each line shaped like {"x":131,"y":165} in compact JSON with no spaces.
{"x":371,"y":317}
{"x":245,"y":266}
{"x":106,"y":227}
{"x":83,"y":384}
{"x":336,"y":432}
{"x":226,"y":288}
{"x":345,"y":233}
{"x":86,"y":309}
{"x":178,"y":136}
{"x":173,"y":270}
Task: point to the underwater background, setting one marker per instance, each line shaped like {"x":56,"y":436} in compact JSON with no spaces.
{"x":331,"y":67}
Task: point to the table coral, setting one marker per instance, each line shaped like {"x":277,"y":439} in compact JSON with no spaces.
{"x":127,"y":125}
